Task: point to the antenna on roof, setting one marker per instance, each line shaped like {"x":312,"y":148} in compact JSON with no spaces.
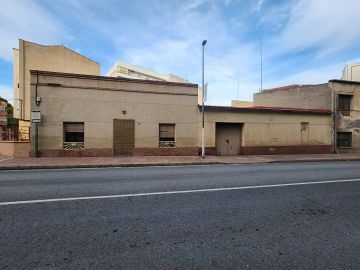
{"x":261,"y":67}
{"x":238,"y":82}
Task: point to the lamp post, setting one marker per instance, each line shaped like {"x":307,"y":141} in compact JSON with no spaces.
{"x":203,"y":107}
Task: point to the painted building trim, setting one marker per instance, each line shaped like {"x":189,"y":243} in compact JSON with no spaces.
{"x":106,"y":78}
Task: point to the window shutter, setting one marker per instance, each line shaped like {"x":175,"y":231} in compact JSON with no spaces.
{"x":74,"y":127}
{"x":167,"y":131}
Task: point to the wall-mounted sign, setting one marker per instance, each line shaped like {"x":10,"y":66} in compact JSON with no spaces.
{"x":35,"y":116}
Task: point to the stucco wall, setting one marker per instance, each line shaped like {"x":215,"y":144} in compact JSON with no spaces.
{"x":307,"y":97}
{"x":349,"y":123}
{"x":97,"y":101}
{"x":269,"y":129}
{"x":15,"y":149}
{"x":31,"y":56}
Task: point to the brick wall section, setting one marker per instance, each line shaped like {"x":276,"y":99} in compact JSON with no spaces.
{"x":176,"y":151}
{"x":294,"y":149}
{"x":211,"y":151}
{"x":109,"y":152}
{"x":190,"y":151}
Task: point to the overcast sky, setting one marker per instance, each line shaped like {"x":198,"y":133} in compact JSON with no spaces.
{"x":304,"y":41}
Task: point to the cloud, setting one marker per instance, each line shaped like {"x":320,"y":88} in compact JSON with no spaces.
{"x":325,"y":25}
{"x":313,"y":76}
{"x":26,"y":20}
{"x":257,"y":5}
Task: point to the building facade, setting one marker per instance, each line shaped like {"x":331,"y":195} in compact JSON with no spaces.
{"x":125,"y":70}
{"x":256,"y":130}
{"x":32,"y":56}
{"x":341,"y":97}
{"x":84,"y":115}
{"x":136,"y":111}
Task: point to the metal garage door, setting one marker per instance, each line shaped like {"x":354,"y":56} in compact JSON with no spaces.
{"x":228,"y":139}
{"x":124,"y":136}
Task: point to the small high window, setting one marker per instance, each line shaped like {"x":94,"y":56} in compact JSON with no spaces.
{"x":73,"y":135}
{"x":166,"y":135}
{"x":344,"y":139}
{"x":344,"y":104}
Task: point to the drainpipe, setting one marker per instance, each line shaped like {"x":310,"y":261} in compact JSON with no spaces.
{"x":37,"y":103}
{"x":334,"y":120}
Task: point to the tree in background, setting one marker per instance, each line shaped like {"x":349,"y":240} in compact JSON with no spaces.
{"x":11,"y":121}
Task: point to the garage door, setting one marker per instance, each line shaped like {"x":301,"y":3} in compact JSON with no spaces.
{"x":228,"y":139}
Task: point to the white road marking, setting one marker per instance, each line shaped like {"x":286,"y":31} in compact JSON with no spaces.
{"x":175,"y":192}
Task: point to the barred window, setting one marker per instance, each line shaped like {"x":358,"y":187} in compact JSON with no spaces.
{"x":344,"y":139}
{"x":73,"y":135}
{"x":166,"y":135}
{"x":344,"y":104}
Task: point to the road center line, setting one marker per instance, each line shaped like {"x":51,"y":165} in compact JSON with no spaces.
{"x":175,"y":192}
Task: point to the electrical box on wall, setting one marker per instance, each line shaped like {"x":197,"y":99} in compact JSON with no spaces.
{"x":35,"y":116}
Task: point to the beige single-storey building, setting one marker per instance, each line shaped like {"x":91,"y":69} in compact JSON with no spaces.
{"x":262,"y":130}
{"x":86,"y":115}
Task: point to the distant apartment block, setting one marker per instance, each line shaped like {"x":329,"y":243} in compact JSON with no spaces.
{"x":124,"y":70}
{"x":351,"y":72}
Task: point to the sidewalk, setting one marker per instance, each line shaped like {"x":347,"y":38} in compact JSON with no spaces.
{"x":7,"y":163}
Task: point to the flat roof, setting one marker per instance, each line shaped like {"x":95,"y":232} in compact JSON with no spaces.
{"x":107,"y":78}
{"x":345,"y":81}
{"x":285,"y":87}
{"x":264,"y":109}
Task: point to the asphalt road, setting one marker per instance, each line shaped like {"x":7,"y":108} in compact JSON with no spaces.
{"x":261,"y":216}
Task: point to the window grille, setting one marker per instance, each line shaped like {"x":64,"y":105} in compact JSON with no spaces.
{"x":166,"y":135}
{"x":73,"y":135}
{"x":344,"y":139}
{"x":344,"y":104}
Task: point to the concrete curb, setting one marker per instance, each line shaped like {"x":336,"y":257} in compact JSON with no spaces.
{"x":132,"y":165}
{"x":81,"y":166}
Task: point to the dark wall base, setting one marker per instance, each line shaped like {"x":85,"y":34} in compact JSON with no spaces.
{"x":189,"y":151}
{"x":106,"y":152}
{"x":176,"y":151}
{"x":211,"y":151}
{"x":109,"y":152}
{"x":293,"y":149}
{"x":348,"y":150}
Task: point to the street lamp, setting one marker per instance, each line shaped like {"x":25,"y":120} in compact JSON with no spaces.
{"x":203,"y":107}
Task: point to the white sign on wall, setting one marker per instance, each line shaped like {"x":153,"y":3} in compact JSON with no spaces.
{"x":35,"y":116}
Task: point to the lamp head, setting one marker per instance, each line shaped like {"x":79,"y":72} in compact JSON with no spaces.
{"x":204,"y":42}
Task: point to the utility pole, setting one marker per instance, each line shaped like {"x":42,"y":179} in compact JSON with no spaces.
{"x":203,"y":107}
